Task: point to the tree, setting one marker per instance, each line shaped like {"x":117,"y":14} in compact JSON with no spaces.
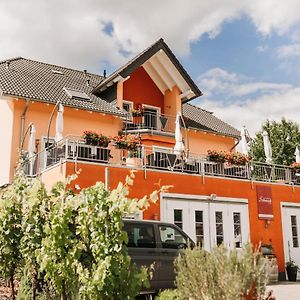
{"x":11,"y":200}
{"x":284,"y":138}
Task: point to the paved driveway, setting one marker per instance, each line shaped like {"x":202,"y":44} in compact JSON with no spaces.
{"x":286,"y":290}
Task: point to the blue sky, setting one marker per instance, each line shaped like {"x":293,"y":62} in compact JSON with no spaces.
{"x":244,"y":55}
{"x":239,"y":48}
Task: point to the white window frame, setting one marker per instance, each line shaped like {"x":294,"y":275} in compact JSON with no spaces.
{"x":130,"y":103}
{"x":158,"y":109}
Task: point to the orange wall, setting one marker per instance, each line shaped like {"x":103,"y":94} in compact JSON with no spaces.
{"x":200,"y":142}
{"x":75,"y":122}
{"x":140,"y":89}
{"x":172,"y":102}
{"x":197,"y":185}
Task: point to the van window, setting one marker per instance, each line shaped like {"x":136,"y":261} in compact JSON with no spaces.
{"x":171,"y":238}
{"x":140,"y":235}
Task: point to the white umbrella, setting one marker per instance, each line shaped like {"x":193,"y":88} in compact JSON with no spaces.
{"x":297,"y":154}
{"x":244,"y":144}
{"x":179,"y":146}
{"x":59,"y":123}
{"x":31,"y":148}
{"x":267,"y":147}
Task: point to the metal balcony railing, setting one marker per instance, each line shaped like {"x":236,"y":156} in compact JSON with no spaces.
{"x":155,"y":158}
{"x":150,"y":121}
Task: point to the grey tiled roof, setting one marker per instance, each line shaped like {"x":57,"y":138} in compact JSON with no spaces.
{"x":36,"y":80}
{"x":199,"y":118}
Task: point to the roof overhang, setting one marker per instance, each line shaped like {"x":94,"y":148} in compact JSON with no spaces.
{"x":162,"y":66}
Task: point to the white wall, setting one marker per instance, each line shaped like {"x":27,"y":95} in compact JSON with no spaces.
{"x":6,"y":132}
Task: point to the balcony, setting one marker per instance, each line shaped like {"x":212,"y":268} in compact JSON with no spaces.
{"x":150,"y":122}
{"x":155,"y":158}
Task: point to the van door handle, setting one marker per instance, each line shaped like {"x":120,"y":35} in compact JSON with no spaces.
{"x":151,"y":252}
{"x":164,"y":252}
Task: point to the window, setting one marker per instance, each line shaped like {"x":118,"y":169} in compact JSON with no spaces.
{"x":294,"y":231}
{"x":219,"y":227}
{"x":151,"y":117}
{"x":199,"y":227}
{"x":172,"y":238}
{"x":178,"y":218}
{"x":127,"y":107}
{"x":140,"y":235}
{"x":237,"y":229}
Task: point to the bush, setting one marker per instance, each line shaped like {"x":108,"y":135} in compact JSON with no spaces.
{"x":221,"y":274}
{"x":168,"y":295}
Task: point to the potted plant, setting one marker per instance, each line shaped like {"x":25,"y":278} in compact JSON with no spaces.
{"x":292,"y":270}
{"x":91,"y":137}
{"x":94,"y":139}
{"x":295,"y":170}
{"x":131,"y":143}
{"x":128,"y":142}
{"x":237,"y":158}
{"x":216,"y":156}
{"x":138,"y":111}
{"x":137,"y":114}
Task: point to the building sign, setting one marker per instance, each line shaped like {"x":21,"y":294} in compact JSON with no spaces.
{"x":264,"y":201}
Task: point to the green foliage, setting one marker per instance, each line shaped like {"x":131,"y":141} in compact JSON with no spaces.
{"x":284,"y":138}
{"x":84,"y":249}
{"x":60,"y":251}
{"x":70,"y":246}
{"x":11,"y":232}
{"x":168,"y":295}
{"x":35,"y":214}
{"x":221,"y":274}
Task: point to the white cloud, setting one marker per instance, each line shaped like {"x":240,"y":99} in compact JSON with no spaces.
{"x":71,"y":32}
{"x":221,"y":82}
{"x":287,"y":51}
{"x":262,"y":48}
{"x":262,"y":100}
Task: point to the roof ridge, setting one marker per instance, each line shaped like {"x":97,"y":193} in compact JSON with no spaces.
{"x":198,"y":107}
{"x":10,"y":59}
{"x":49,"y":64}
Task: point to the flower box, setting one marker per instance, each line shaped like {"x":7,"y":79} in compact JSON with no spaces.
{"x":95,"y":139}
{"x":127,"y":142}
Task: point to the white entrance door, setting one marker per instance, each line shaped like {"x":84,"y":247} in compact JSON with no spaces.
{"x":291,"y":231}
{"x":209,"y":224}
{"x":229,"y":224}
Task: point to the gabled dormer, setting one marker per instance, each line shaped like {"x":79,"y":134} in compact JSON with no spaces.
{"x":154,"y":82}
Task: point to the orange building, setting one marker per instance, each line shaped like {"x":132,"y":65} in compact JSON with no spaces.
{"x":213,"y":202}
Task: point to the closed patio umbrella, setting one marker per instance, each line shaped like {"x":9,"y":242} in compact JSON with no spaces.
{"x":59,"y":123}
{"x":267,"y":147}
{"x":31,"y":149}
{"x":297,"y":154}
{"x":179,"y":146}
{"x":244,"y":144}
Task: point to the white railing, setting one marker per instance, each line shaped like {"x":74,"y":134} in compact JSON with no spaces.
{"x":155,"y":158}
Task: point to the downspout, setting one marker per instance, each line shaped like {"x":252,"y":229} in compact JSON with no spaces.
{"x":23,"y":121}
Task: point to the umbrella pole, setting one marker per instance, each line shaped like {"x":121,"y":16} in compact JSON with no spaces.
{"x":186,"y":137}
{"x":49,"y":123}
{"x":24,"y":136}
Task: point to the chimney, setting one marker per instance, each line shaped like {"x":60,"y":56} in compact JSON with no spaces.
{"x":104,"y":73}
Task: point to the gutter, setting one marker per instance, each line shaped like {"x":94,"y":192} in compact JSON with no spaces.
{"x":23,"y":121}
